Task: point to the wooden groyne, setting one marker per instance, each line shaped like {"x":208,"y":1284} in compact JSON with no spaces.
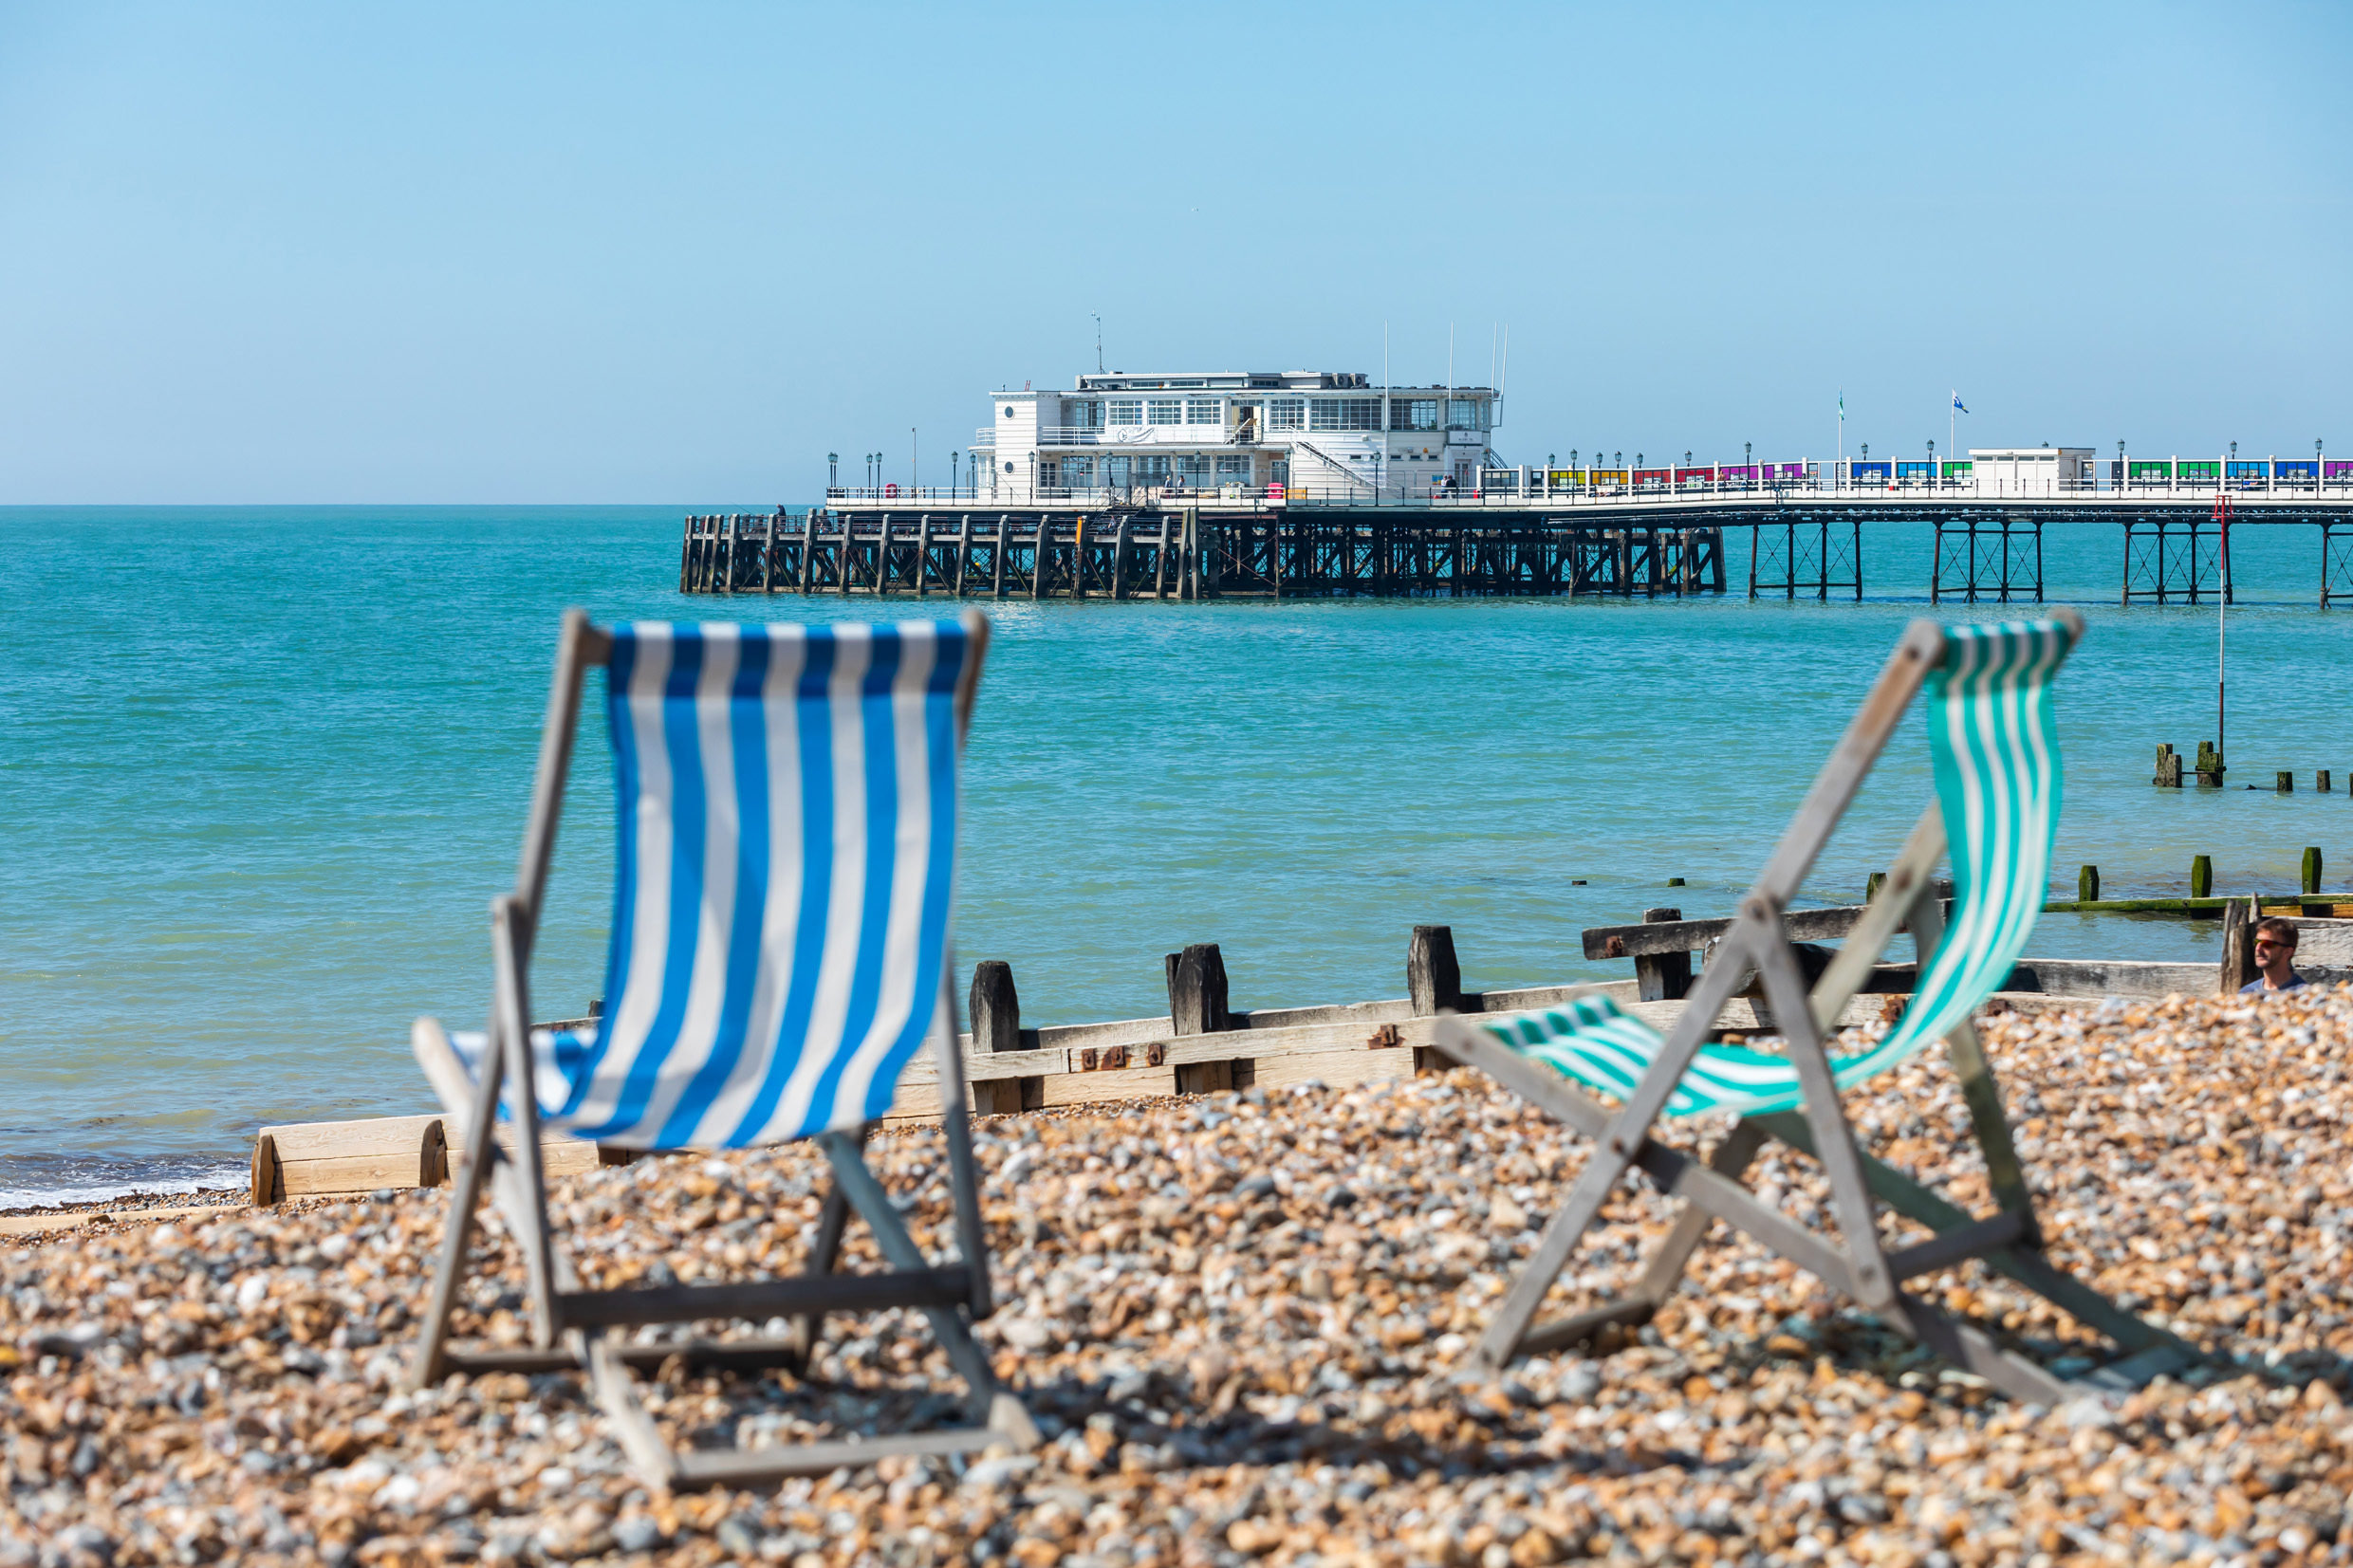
{"x":1204,"y":1044}
{"x":1183,"y":553}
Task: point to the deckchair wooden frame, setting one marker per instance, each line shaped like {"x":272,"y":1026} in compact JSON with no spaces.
{"x":1854,"y":1264}
{"x":575,"y":1327}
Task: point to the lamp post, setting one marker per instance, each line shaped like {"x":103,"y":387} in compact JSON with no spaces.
{"x":952,"y":475}
{"x":833,"y":466}
{"x":1932,"y":461}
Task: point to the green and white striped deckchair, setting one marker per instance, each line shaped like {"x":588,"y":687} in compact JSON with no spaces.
{"x":1995,"y":755}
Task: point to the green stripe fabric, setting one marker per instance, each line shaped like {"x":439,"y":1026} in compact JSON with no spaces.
{"x":1994,"y":751}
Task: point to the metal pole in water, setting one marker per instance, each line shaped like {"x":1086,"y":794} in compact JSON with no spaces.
{"x":2222,"y":599}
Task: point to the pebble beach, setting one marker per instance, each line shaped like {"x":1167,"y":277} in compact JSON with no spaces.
{"x":1242,"y":1322}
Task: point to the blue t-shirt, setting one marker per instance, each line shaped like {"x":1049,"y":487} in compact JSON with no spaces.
{"x":2257,"y":987}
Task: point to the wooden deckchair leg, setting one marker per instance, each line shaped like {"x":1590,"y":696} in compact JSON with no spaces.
{"x":1834,"y":1140}
{"x":1665,"y":1269}
{"x":457,"y":1230}
{"x":510,"y":1017}
{"x":2005,"y":1172}
{"x":2030,"y":1269}
{"x":955,"y":1124}
{"x":1614,"y":1147}
{"x":899,"y":1251}
{"x":831,"y":1221}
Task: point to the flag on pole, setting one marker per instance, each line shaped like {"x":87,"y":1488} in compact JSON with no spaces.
{"x":1841,"y":408}
{"x":1958,"y":404}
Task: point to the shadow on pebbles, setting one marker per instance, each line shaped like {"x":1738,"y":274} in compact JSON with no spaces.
{"x":1242,"y":1320}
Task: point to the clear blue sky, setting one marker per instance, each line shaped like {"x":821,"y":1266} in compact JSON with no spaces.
{"x":674,"y":253}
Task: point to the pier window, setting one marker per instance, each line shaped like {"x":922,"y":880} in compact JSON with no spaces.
{"x":1201,"y":411}
{"x":1085,"y":414}
{"x":1194,"y":469}
{"x":1343,"y":414}
{"x":1234,"y":464}
{"x":1165,"y":411}
{"x":1126,"y":412}
{"x":1465,"y":413}
{"x":1286,"y":414}
{"x":1414,"y":414}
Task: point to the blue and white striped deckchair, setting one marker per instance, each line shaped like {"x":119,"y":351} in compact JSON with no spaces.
{"x":786,"y":862}
{"x":1995,"y":752}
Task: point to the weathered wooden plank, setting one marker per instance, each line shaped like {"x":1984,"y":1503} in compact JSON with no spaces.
{"x":1671,"y":937}
{"x":1334,"y":1069}
{"x":1114,"y":1084}
{"x":373,"y":1136}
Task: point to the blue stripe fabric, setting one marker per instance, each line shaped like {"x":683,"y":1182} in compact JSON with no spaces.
{"x":787,"y":834}
{"x":1994,"y":747}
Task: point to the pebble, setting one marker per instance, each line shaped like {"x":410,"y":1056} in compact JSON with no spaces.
{"x":1229,"y":1365}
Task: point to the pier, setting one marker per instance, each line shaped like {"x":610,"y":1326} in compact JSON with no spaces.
{"x":1805,"y":541}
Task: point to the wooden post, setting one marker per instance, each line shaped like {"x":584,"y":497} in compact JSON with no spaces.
{"x":849,"y":533}
{"x":2087,"y":885}
{"x":922,"y":554}
{"x":727,"y":552}
{"x":997,"y":562}
{"x":767,"y":551}
{"x":2168,"y":768}
{"x":2320,"y":781}
{"x":2312,"y":870}
{"x":265,"y":1185}
{"x":808,"y":546}
{"x":1119,"y":559}
{"x":2286,"y":784}
{"x":1432,"y":975}
{"x":2202,"y":877}
{"x":2238,"y":945}
{"x":1078,"y":557}
{"x":964,"y":552}
{"x":995,"y":1009}
{"x":686,"y":554}
{"x":1197,"y":1005}
{"x":1662,"y":977}
{"x":1872,"y":884}
{"x":1159,"y":572}
{"x":1037,"y":564}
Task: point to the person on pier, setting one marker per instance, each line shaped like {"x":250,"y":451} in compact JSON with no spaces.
{"x":2276,"y":956}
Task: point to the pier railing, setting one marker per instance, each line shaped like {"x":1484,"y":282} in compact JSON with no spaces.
{"x":1519,"y":494}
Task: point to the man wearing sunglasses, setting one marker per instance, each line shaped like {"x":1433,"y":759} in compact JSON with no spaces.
{"x":2275,"y":955}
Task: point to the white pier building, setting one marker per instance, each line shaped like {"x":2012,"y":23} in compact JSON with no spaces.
{"x":1232,"y":437}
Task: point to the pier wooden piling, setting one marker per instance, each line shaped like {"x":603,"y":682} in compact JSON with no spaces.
{"x":2087,"y":884}
{"x":2202,"y":877}
{"x":2311,"y":870}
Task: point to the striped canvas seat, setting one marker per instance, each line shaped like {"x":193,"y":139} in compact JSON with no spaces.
{"x":787,"y":855}
{"x":1995,"y":753}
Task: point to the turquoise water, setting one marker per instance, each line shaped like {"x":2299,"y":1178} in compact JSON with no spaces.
{"x":266,"y":768}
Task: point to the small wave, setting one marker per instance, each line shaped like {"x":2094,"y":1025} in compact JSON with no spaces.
{"x":96,"y":1181}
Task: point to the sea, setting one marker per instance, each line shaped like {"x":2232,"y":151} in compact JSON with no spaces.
{"x":265,"y":767}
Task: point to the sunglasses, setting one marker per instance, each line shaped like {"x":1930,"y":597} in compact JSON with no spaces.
{"x":2275,"y":947}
